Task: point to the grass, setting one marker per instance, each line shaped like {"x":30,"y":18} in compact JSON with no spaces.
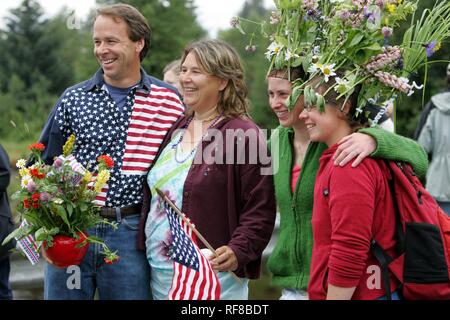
{"x":262,"y":289}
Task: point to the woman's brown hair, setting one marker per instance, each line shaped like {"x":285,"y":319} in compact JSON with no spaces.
{"x":218,"y":58}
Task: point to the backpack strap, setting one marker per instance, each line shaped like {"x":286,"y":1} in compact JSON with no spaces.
{"x":384,"y":260}
{"x":378,"y":252}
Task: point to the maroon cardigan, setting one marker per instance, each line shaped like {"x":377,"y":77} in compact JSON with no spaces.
{"x":229,"y":204}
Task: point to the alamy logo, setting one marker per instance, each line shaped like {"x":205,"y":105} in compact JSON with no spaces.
{"x":374,"y":280}
{"x":235,"y":146}
{"x":74,"y":280}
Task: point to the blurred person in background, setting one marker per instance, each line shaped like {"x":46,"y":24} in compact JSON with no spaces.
{"x":434,"y":136}
{"x":6,"y":226}
{"x":171,"y":74}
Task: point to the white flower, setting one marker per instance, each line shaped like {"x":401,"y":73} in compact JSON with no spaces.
{"x":315,"y":67}
{"x":342,"y":85}
{"x":273,"y":48}
{"x":58,"y":201}
{"x":289,"y":55}
{"x":328,"y":71}
{"x":21,"y":163}
{"x":25,"y":181}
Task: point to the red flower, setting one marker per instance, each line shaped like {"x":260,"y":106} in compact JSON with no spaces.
{"x":36,"y":147}
{"x":35,"y":205}
{"x":26,"y":203}
{"x":36,"y":173}
{"x":35,"y":196}
{"x":111,"y":261}
{"x":106,"y":160}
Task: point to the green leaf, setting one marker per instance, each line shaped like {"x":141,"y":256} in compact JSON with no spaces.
{"x":41,"y":234}
{"x":282,"y":40}
{"x":293,"y":97}
{"x":356,"y":39}
{"x":18,"y":233}
{"x":60,"y":211}
{"x":69,"y":209}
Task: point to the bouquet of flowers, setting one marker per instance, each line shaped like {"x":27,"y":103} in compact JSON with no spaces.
{"x":349,"y":42}
{"x":58,"y":200}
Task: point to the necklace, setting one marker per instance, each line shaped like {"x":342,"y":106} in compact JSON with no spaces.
{"x":207,"y":116}
{"x":175,"y":146}
{"x":207,"y":119}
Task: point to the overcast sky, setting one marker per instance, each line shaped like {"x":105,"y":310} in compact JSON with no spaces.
{"x":212,"y":14}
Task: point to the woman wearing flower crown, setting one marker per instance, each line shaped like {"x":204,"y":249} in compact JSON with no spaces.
{"x":352,"y":206}
{"x":208,"y":169}
{"x":294,"y":182}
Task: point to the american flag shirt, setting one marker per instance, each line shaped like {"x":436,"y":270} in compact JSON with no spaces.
{"x":131,"y":136}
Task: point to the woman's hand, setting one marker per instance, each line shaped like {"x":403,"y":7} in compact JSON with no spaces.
{"x":357,"y":145}
{"x":225,"y":261}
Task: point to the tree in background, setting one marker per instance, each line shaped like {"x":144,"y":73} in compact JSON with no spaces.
{"x":251,"y":48}
{"x":34,"y":68}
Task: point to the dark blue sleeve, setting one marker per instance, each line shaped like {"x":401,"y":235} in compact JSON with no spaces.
{"x":52,"y":136}
{"x":5,"y":172}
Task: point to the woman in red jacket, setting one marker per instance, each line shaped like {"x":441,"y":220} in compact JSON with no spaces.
{"x":352,"y":206}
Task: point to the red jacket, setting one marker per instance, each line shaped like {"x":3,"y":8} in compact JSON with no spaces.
{"x":229,"y":204}
{"x":352,"y":206}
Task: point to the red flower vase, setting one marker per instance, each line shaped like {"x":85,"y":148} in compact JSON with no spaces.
{"x":64,"y":252}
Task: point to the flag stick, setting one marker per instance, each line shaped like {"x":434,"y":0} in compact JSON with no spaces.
{"x":183,"y":216}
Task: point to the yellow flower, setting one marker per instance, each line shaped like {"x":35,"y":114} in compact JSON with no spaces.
{"x":68,"y":146}
{"x":437,"y":47}
{"x":392,"y":8}
{"x":87,"y":177}
{"x":24,"y":172}
{"x":102,"y":179}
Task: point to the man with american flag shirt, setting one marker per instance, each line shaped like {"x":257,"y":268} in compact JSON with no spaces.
{"x":124,"y":113}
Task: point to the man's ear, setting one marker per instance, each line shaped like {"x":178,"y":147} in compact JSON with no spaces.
{"x":140,"y":45}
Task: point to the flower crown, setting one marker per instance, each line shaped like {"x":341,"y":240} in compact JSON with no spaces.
{"x":348,"y":41}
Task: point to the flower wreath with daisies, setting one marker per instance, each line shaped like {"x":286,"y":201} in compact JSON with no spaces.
{"x":349,"y":41}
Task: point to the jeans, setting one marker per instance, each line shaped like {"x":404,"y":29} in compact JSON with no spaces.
{"x":5,"y":288}
{"x":126,"y":279}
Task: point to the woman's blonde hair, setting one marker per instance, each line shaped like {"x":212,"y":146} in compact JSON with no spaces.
{"x":218,"y":58}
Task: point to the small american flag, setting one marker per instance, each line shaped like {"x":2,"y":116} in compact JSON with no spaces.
{"x":194,"y":278}
{"x":28,"y":245}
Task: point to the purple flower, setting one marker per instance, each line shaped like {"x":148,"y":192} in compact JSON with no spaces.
{"x":431,"y":48}
{"x":369,"y":14}
{"x":31,"y":186}
{"x":44,"y":197}
{"x":386,"y":31}
{"x":344,"y":15}
{"x":57,"y":163}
